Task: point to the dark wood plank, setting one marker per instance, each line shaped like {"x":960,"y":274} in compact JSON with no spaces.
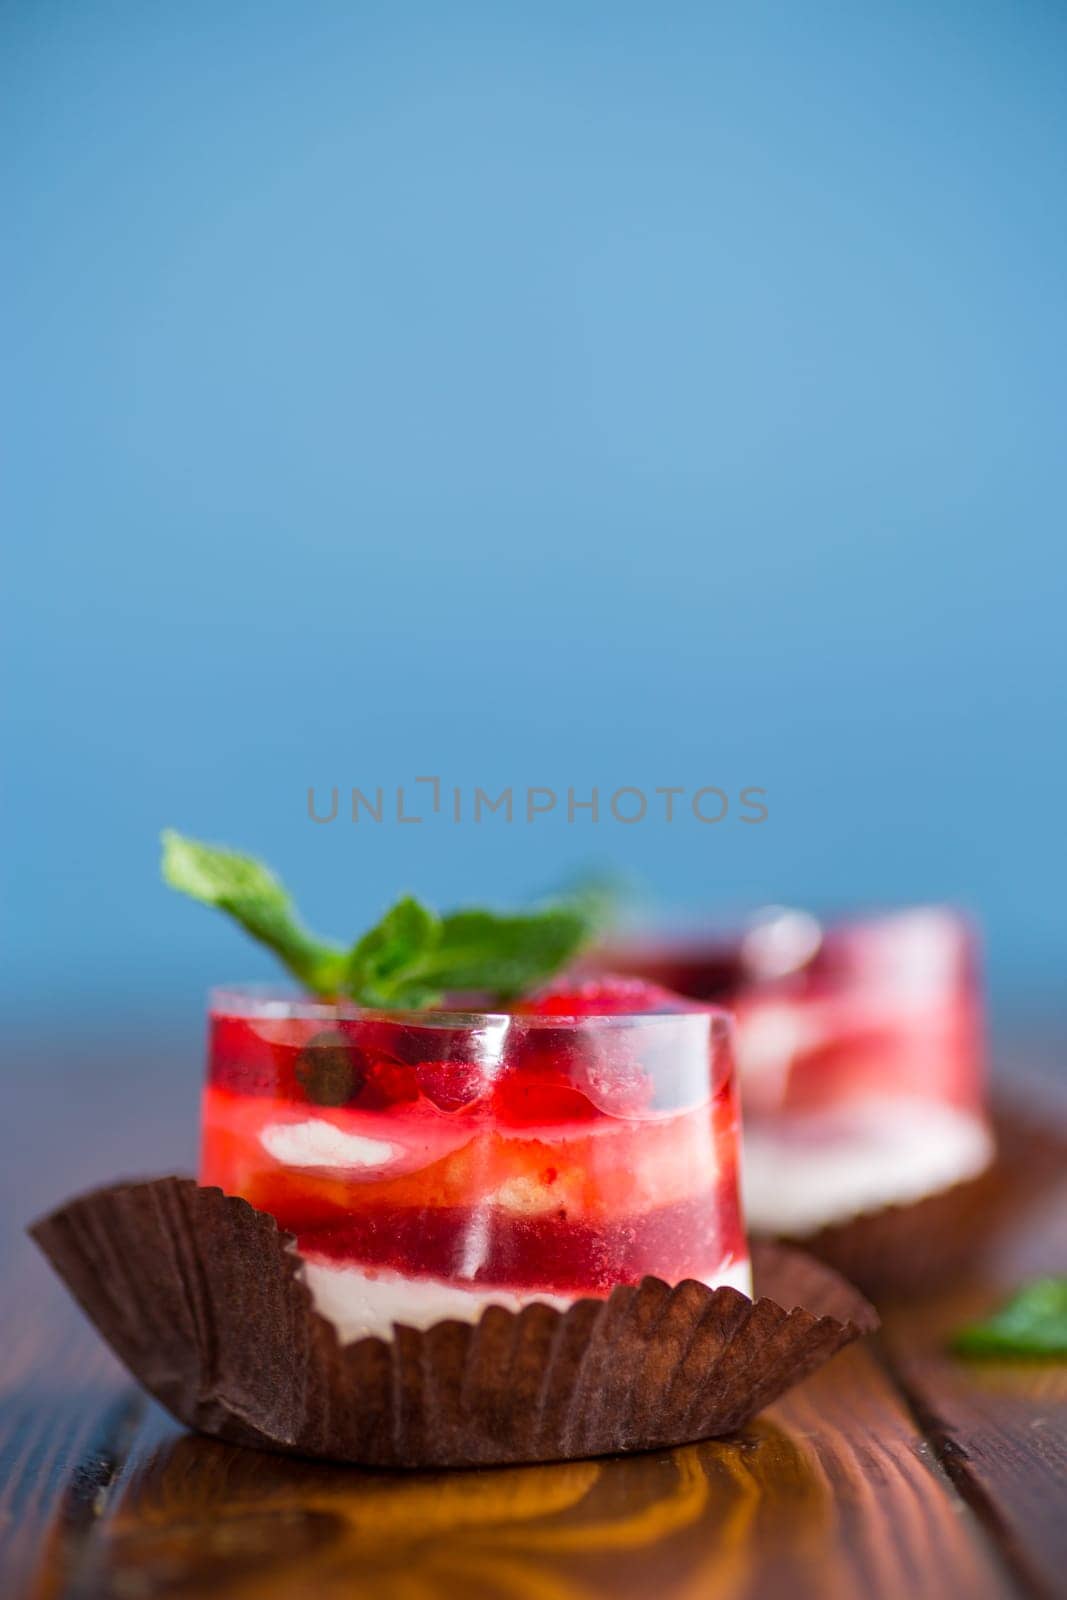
{"x":832,"y":1494}
{"x":59,"y":1390}
{"x":75,"y":1116}
{"x":999,"y":1427}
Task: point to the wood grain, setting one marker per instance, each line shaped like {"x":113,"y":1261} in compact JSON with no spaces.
{"x":803,"y":1502}
{"x":893,"y":1472}
{"x":999,"y":1427}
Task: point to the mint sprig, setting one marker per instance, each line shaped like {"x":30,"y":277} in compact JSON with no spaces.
{"x":410,"y":959}
{"x":253,"y":896}
{"x":1032,"y":1323}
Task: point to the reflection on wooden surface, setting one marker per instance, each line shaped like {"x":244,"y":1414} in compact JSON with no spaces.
{"x":201,"y":1518}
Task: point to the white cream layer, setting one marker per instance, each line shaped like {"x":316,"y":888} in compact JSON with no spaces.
{"x":315,"y":1143}
{"x":359,"y":1302}
{"x":821,"y":1168}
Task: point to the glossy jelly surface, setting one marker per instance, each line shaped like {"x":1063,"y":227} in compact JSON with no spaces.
{"x":557,"y":1149}
{"x":860,"y":1055}
{"x":879,"y":1006}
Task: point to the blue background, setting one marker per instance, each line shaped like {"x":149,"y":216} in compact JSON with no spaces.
{"x":562,"y":394}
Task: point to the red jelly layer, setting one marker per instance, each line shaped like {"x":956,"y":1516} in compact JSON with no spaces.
{"x":885,"y":1006}
{"x":475,"y":1245}
{"x":566,"y":1154}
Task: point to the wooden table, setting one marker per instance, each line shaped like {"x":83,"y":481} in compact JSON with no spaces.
{"x":896,"y":1471}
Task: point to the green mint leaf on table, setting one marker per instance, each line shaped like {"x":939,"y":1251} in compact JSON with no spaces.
{"x":410,"y":959}
{"x":253,"y":896}
{"x":1033,"y":1323}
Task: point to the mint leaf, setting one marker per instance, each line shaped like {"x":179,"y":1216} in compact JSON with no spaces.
{"x":1033,"y":1323}
{"x":383,"y":966}
{"x":413,"y":958}
{"x":603,"y":896}
{"x":505,"y":955}
{"x":410,"y":959}
{"x":252,"y":895}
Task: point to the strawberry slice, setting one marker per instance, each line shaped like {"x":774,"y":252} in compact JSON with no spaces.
{"x":606,"y":995}
{"x":626,"y":1073}
{"x":450,"y":1085}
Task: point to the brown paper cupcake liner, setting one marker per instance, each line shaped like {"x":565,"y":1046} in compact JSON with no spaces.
{"x":902,"y":1251}
{"x":200,"y":1296}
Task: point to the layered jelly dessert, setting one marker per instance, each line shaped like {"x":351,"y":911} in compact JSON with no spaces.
{"x":430,"y":1163}
{"x":860,"y":1054}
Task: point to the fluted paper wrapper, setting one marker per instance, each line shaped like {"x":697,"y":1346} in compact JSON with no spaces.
{"x":200,"y":1296}
{"x":902,"y":1251}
